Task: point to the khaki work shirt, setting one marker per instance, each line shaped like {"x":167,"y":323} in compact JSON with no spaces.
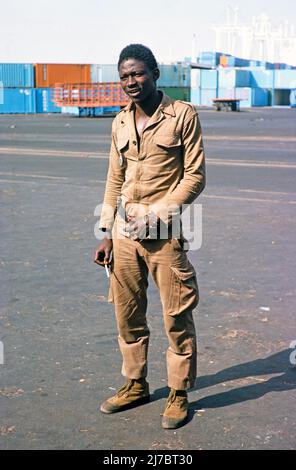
{"x":165,"y":169}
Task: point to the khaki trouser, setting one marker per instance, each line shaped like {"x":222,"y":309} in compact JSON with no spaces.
{"x":175,"y":277}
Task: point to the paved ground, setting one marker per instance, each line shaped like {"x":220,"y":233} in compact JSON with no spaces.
{"x":58,"y":331}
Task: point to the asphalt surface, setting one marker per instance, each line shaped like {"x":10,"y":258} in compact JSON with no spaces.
{"x":61,"y":357}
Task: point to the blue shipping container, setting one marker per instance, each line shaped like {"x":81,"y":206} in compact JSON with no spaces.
{"x":90,"y":112}
{"x":209,"y":79}
{"x":195,"y":78}
{"x":195,"y":96}
{"x":44,"y":103}
{"x":262,"y":78}
{"x":293,"y":98}
{"x":174,"y":75}
{"x":209,"y":58}
{"x":249,"y":96}
{"x":238,"y":62}
{"x":18,"y":101}
{"x":17,"y":75}
{"x":232,"y":78}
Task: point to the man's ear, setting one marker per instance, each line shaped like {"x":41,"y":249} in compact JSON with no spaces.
{"x":156,"y":74}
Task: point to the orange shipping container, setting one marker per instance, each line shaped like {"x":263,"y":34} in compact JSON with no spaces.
{"x":46,"y":75}
{"x":224,"y":60}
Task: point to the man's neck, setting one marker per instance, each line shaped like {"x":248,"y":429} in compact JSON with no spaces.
{"x":148,"y":107}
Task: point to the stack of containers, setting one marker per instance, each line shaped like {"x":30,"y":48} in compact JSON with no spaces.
{"x":204,"y":85}
{"x":195,"y":86}
{"x":174,"y":80}
{"x":17,"y":89}
{"x":241,"y":84}
{"x":102,"y":73}
{"x":293,"y":98}
{"x":284,"y":82}
{"x":47,"y":75}
{"x":209,"y":58}
{"x":227,"y":60}
{"x":208,"y":87}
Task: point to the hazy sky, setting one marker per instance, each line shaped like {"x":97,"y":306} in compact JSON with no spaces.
{"x":94,"y":31}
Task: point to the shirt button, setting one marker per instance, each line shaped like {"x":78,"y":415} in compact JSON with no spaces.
{"x":134,"y":142}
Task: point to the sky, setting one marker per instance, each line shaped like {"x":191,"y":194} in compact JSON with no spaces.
{"x":95,"y":31}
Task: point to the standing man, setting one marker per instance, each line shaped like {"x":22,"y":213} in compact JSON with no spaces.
{"x":156,"y":165}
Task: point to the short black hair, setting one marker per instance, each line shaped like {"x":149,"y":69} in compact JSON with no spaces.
{"x":139,"y":52}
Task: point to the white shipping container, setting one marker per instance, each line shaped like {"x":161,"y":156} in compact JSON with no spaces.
{"x":285,"y":79}
{"x":102,"y":73}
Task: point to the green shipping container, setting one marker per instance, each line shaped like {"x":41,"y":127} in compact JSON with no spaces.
{"x":177,"y":93}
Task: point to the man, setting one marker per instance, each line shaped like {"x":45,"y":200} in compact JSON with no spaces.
{"x":156,"y":165}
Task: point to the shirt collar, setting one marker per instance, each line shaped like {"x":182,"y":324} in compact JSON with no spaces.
{"x":166,"y":105}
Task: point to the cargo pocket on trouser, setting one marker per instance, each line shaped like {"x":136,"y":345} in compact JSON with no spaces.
{"x":183,"y":290}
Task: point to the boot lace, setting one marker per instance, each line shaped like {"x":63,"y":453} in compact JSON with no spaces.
{"x":174,"y":399}
{"x":125,"y":388}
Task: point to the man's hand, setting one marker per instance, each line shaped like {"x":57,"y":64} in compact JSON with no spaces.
{"x":138,"y":228}
{"x":103,"y":252}
{"x":143,"y":227}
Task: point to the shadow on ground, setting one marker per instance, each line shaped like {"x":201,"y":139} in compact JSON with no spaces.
{"x":278,"y":363}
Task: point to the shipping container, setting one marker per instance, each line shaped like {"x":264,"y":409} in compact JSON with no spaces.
{"x":195,"y":78}
{"x":177,"y":93}
{"x":174,"y":75}
{"x":260,"y":97}
{"x":245,"y":95}
{"x":285,"y":79}
{"x":101,"y":73}
{"x":223,"y":61}
{"x":44,"y":103}
{"x":18,"y":101}
{"x":262,"y":78}
{"x":207,"y":96}
{"x":255,"y":63}
{"x":90,"y":112}
{"x":248,"y":96}
{"x":209,"y":58}
{"x":47,"y":75}
{"x":239,"y":62}
{"x":293,"y":98}
{"x":209,"y":79}
{"x":99,"y":111}
{"x":74,"y":110}
{"x":227,"y":61}
{"x":232,"y":78}
{"x":228,"y":93}
{"x":17,"y":75}
{"x":195,"y":96}
{"x":281,"y":97}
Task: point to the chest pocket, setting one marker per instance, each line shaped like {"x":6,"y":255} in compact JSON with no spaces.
{"x":169,"y":141}
{"x":122,"y":143}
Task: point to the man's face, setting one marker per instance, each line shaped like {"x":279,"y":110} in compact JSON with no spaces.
{"x":137,"y":80}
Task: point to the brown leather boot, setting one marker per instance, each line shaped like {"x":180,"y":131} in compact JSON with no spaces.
{"x":176,"y":409}
{"x":133,"y":393}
